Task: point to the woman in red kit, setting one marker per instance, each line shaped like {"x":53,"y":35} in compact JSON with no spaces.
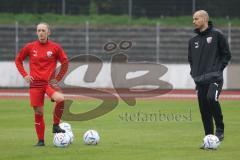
{"x":43,"y":57}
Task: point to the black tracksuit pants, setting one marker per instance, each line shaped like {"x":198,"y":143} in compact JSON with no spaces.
{"x":209,"y":106}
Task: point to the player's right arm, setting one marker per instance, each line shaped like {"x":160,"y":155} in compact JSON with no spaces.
{"x":190,"y":56}
{"x":19,"y":63}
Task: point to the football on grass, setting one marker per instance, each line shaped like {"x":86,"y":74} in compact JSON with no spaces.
{"x":91,"y":137}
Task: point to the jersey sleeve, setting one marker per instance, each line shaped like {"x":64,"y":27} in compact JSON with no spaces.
{"x":24,"y":52}
{"x":190,"y":56}
{"x":62,"y":57}
{"x":224,"y":50}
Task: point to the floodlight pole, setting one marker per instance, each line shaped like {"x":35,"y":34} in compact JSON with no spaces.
{"x":157,"y":41}
{"x":193,"y":6}
{"x":16,"y":38}
{"x":229,"y":34}
{"x":87,"y":37}
{"x":130,"y":9}
{"x":63,"y":7}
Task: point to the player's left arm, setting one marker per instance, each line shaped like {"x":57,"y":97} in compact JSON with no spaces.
{"x":62,"y":57}
{"x":224,"y":50}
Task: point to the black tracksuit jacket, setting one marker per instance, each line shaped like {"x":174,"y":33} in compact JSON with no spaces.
{"x":208,"y":55}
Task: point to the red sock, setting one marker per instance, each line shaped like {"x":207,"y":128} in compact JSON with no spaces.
{"x":58,"y":111}
{"x":39,"y":126}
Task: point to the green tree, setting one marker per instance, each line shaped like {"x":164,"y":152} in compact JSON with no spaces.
{"x":93,"y":10}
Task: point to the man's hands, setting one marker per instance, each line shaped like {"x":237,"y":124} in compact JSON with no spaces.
{"x":53,"y":82}
{"x":28,"y":78}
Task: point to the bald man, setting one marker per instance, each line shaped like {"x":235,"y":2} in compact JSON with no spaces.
{"x":43,"y":57}
{"x":208,"y":55}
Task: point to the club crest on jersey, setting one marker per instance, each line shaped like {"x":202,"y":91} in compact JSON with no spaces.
{"x":196,"y":44}
{"x":209,"y":40}
{"x":49,"y":53}
{"x":34,"y":53}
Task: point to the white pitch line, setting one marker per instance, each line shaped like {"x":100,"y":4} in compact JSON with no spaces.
{"x":181,"y":96}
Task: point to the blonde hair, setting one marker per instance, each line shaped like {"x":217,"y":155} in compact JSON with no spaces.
{"x":46,"y":24}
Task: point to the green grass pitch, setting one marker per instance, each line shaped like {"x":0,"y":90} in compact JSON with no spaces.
{"x":153,"y":129}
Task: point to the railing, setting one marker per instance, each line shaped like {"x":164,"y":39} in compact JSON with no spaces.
{"x":153,"y":44}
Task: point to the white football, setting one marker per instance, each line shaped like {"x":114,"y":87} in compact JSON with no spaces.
{"x":71,"y":136}
{"x":211,"y":142}
{"x":66,"y":126}
{"x":91,"y":137}
{"x":61,"y":140}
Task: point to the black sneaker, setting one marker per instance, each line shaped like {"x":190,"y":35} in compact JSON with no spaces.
{"x":202,"y":146}
{"x":220,"y":134}
{"x":205,"y":148}
{"x":57,"y":129}
{"x":40,"y":143}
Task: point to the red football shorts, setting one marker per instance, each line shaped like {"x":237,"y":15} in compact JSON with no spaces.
{"x":37,"y":95}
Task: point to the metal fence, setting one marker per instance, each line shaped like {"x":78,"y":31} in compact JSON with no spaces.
{"x":149,"y":43}
{"x":133,"y":8}
{"x":154,"y":43}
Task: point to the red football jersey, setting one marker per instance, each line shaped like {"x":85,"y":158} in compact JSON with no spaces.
{"x":43,"y":59}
